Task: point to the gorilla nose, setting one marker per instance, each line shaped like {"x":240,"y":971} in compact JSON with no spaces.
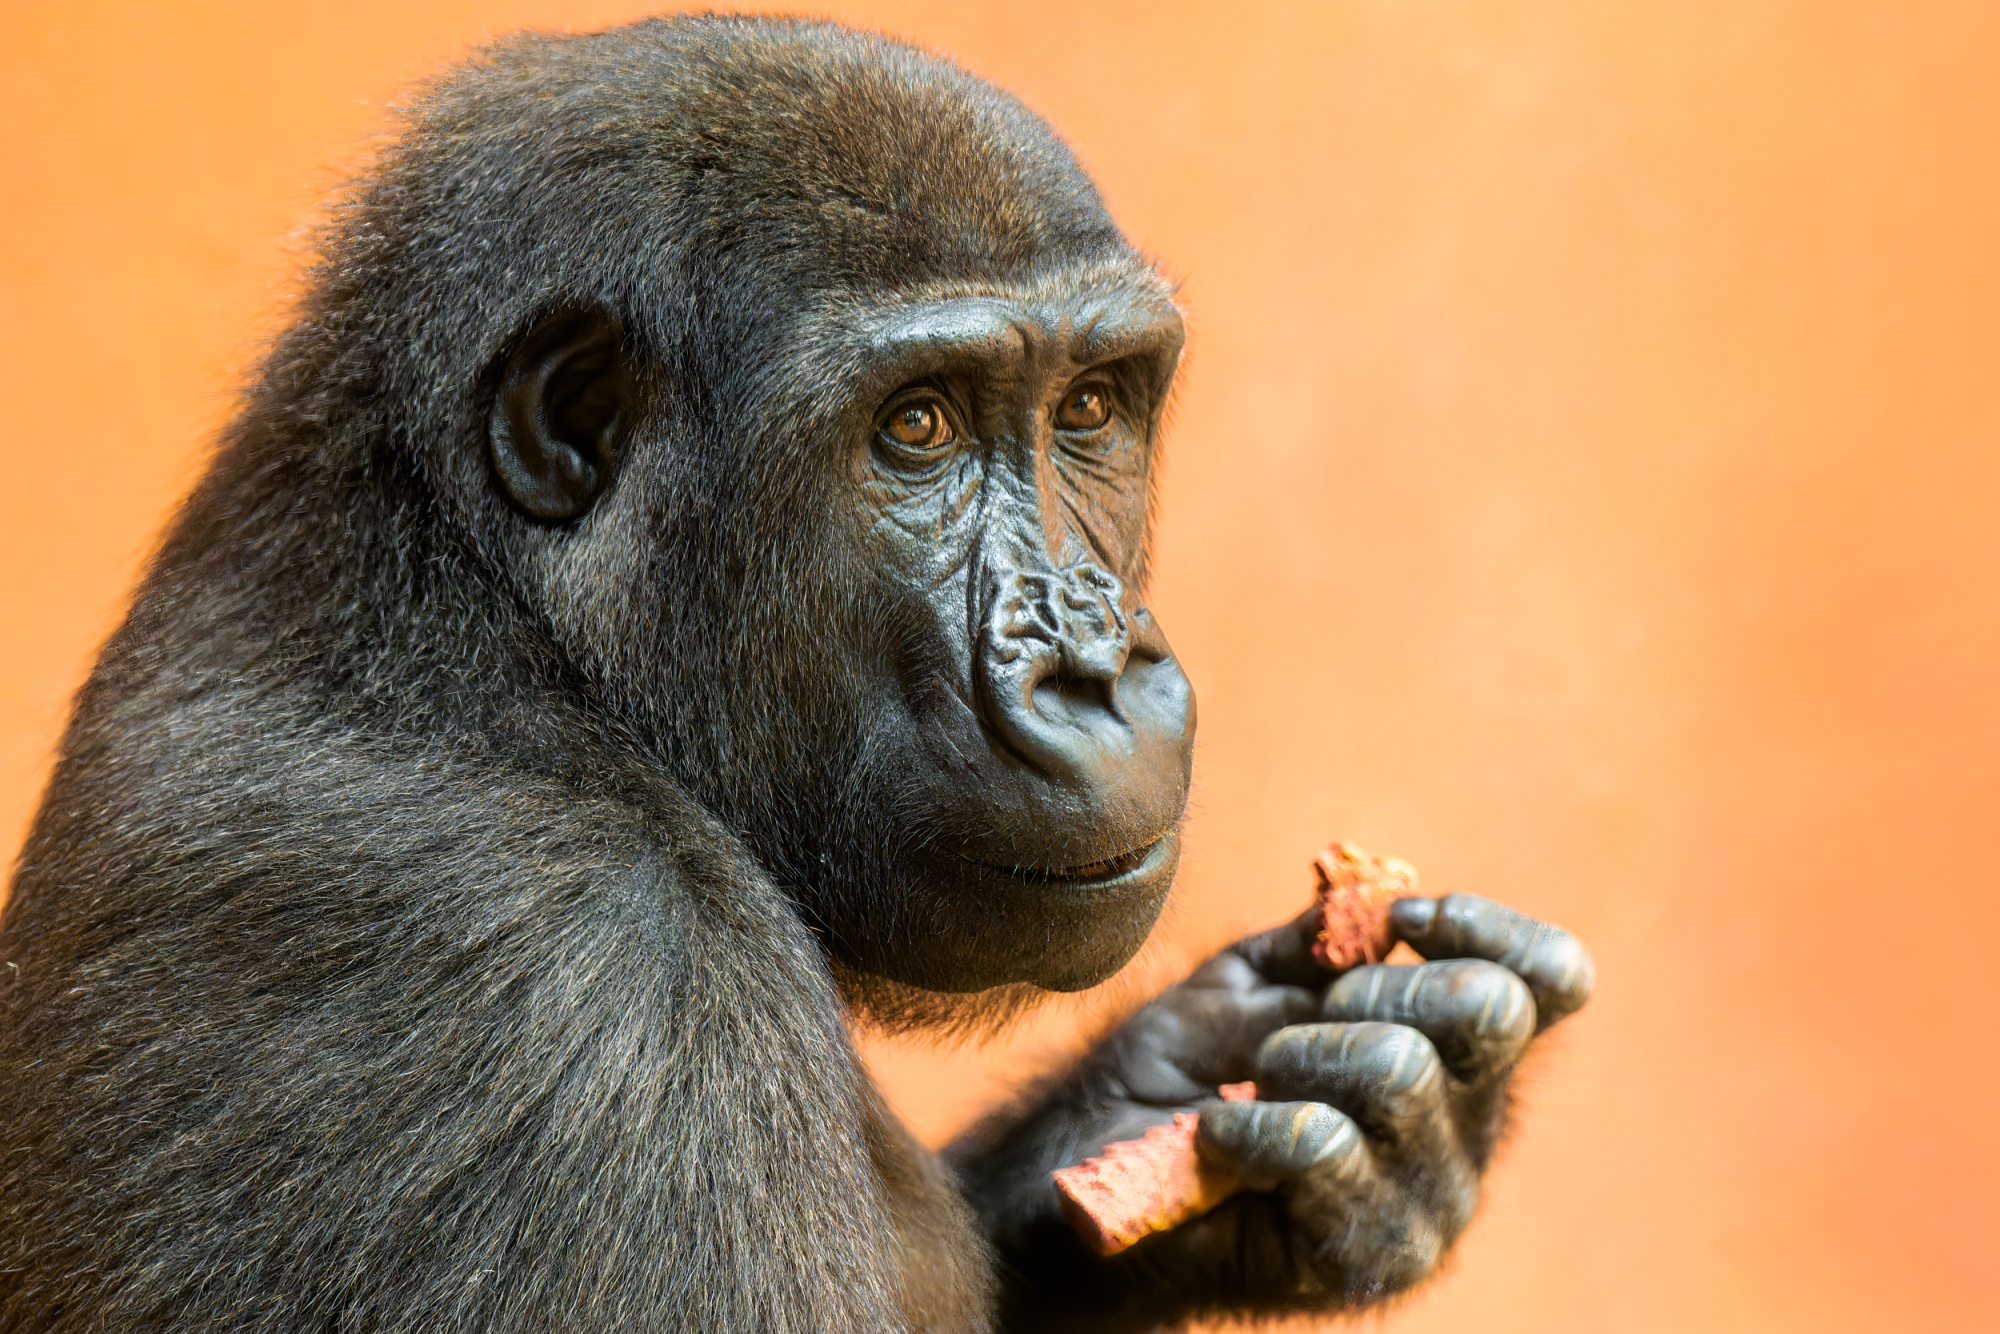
{"x":1074,"y":684}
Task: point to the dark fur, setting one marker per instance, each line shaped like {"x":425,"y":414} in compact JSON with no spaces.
{"x":412,"y":937}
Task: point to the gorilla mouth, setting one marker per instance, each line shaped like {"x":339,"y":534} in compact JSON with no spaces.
{"x":1108,"y":869}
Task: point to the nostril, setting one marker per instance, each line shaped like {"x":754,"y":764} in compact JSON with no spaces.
{"x":1064,"y":694}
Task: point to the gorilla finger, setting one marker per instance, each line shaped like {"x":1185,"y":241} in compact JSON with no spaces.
{"x":1269,"y":1143}
{"x":1285,"y":953}
{"x":1231,"y":978}
{"x":1388,"y":1077}
{"x":1215,"y":1034}
{"x":1477,"y":1014}
{"x":1242,"y":1021}
{"x":1556,"y":967}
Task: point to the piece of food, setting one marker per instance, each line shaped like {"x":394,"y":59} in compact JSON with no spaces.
{"x":1355,"y":891}
{"x":1137,"y":1187}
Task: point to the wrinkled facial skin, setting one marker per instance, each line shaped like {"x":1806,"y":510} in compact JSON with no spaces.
{"x":1040,"y":723}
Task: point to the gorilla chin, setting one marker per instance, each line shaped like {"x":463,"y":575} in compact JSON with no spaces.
{"x":1075,"y":926}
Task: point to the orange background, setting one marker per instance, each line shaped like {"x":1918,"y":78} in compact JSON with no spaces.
{"x":1584,"y":484}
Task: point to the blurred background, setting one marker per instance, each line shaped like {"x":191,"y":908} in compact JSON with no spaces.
{"x":1585,"y":483}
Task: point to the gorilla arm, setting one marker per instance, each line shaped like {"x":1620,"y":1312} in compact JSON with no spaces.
{"x":1383,"y":1098}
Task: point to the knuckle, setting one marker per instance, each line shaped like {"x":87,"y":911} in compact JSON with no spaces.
{"x":1470,"y":927}
{"x":1322,"y":1138}
{"x":1360,"y":992}
{"x":1457,"y":982}
{"x":1269,"y":1144}
{"x":1466,"y":914}
{"x":1296,"y":1049}
{"x":1400,"y":1056}
{"x":1498,"y":1005}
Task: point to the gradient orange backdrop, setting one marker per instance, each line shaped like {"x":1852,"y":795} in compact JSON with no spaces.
{"x":1585,"y":483}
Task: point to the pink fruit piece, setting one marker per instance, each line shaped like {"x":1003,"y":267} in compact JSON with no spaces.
{"x":1355,"y":891}
{"x":1137,"y":1187}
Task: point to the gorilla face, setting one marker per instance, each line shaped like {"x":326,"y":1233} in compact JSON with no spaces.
{"x":843,"y":506}
{"x":1041,"y":720}
{"x":974,"y":774}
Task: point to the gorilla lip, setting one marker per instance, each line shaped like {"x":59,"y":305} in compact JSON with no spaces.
{"x":1106,"y":871}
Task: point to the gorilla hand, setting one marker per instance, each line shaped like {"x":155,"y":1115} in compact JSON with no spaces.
{"x":1381,"y":1101}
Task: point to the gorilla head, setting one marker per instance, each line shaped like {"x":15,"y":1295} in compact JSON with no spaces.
{"x":814,"y":415}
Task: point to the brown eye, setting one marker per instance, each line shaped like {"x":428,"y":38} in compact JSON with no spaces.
{"x":919,"y":425}
{"x":1084,"y":409}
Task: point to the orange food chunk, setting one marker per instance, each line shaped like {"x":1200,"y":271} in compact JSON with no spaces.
{"x":1355,"y":891}
{"x":1137,"y":1187}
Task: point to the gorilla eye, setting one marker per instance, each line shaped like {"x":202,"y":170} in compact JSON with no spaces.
{"x":1085,"y":408}
{"x":918,"y":426}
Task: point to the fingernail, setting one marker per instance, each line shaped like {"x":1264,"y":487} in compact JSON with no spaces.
{"x":1413,"y":916}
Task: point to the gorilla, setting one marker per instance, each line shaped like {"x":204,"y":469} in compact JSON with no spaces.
{"x":676,"y":590}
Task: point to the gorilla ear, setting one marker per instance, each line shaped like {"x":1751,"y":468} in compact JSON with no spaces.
{"x":559,"y":419}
